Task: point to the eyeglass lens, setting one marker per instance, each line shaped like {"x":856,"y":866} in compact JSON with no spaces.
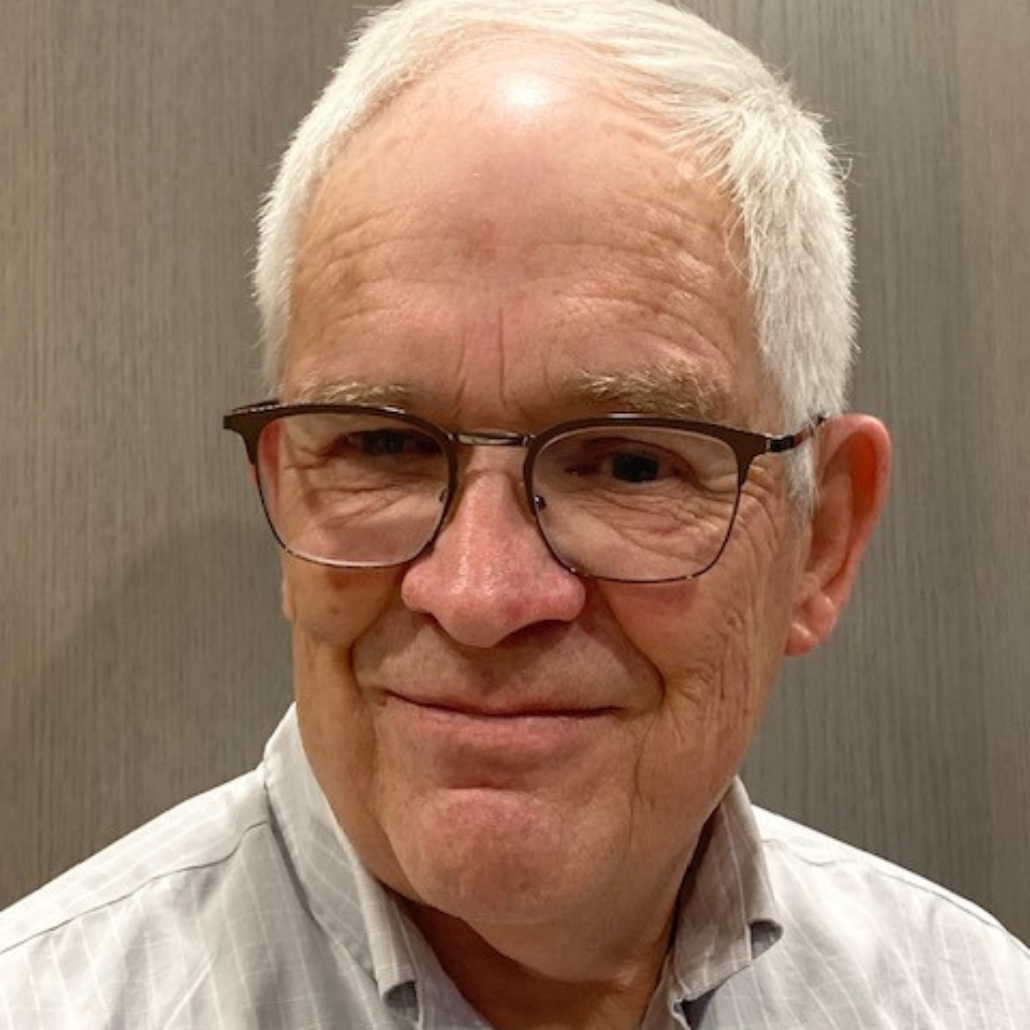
{"x":360,"y":490}
{"x":636,"y":504}
{"x":614,"y":501}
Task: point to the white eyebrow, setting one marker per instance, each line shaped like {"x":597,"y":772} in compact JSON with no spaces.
{"x":668,"y":388}
{"x":350,"y":391}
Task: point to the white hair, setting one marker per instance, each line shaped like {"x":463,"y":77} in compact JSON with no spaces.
{"x":716,"y":103}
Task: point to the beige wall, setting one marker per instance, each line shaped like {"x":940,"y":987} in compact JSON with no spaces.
{"x":141,"y":654}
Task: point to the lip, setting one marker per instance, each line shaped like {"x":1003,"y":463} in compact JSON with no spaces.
{"x":503,"y":738}
{"x":516,"y":711}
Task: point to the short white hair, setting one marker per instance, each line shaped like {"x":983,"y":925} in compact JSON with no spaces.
{"x":718,"y":105}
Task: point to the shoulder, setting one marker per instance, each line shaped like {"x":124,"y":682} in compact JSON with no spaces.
{"x":201,"y":834}
{"x":138,"y":934}
{"x":851,"y":917}
{"x":804,"y":858}
{"x":195,"y":920}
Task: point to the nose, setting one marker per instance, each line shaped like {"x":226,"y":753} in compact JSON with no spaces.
{"x":489,"y":574}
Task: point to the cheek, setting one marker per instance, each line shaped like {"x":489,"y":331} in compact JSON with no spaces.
{"x":694,"y":636}
{"x":716,"y":644}
{"x":329,"y":611}
{"x":333,"y":607}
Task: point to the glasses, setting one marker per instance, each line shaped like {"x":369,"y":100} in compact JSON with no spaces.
{"x":631,"y":498}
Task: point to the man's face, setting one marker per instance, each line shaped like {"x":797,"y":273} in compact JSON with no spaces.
{"x":502,"y":740}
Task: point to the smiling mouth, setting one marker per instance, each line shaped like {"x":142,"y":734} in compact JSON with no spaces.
{"x":459,"y":745}
{"x":504,"y":713}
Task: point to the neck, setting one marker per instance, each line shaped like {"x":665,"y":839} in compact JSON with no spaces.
{"x":516,"y":984}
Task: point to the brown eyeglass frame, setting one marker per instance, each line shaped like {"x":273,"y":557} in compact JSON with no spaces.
{"x":249,"y":421}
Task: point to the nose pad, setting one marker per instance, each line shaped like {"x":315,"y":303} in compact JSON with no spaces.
{"x":489,"y":573}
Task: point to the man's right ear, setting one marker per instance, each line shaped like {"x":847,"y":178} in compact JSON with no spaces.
{"x":852,"y":476}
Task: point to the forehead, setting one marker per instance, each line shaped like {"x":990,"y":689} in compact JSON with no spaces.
{"x":505,"y":228}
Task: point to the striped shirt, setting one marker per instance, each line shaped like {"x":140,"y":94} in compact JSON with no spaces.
{"x":247,"y":908}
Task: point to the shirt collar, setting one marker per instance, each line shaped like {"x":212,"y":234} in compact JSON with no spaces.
{"x":353,"y":908}
{"x":727,"y":915}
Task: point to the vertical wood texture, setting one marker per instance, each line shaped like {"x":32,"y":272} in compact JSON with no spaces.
{"x":141,"y":653}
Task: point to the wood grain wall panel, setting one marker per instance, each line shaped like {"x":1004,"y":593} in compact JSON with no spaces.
{"x":994,"y":76}
{"x":142,"y":657}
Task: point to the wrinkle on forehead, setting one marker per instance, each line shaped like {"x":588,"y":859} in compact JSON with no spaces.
{"x":478,"y":260}
{"x":400,"y":283}
{"x":662,"y":245}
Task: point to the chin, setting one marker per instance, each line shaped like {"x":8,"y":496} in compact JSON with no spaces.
{"x":492,"y":856}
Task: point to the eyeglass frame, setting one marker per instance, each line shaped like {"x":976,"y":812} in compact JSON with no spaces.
{"x":250,"y":420}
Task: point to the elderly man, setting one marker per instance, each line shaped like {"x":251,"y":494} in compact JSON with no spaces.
{"x":557,"y":307}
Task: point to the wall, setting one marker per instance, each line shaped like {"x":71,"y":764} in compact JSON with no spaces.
{"x":141,"y":654}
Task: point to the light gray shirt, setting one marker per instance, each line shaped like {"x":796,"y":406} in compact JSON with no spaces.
{"x":246,"y":908}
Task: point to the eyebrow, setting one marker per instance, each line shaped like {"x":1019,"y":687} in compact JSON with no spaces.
{"x":352,"y":391}
{"x":667,"y":388}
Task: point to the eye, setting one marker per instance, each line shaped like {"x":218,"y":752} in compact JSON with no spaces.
{"x":394,"y":444}
{"x":645,"y":461}
{"x":620,"y":460}
{"x":635,"y":468}
{"x":380,"y":442}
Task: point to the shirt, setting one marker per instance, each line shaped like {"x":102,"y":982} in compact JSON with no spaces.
{"x":246,"y":907}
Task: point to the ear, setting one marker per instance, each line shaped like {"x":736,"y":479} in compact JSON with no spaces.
{"x":852,"y":473}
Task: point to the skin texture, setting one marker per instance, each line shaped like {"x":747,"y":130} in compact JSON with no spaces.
{"x":506,"y":743}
